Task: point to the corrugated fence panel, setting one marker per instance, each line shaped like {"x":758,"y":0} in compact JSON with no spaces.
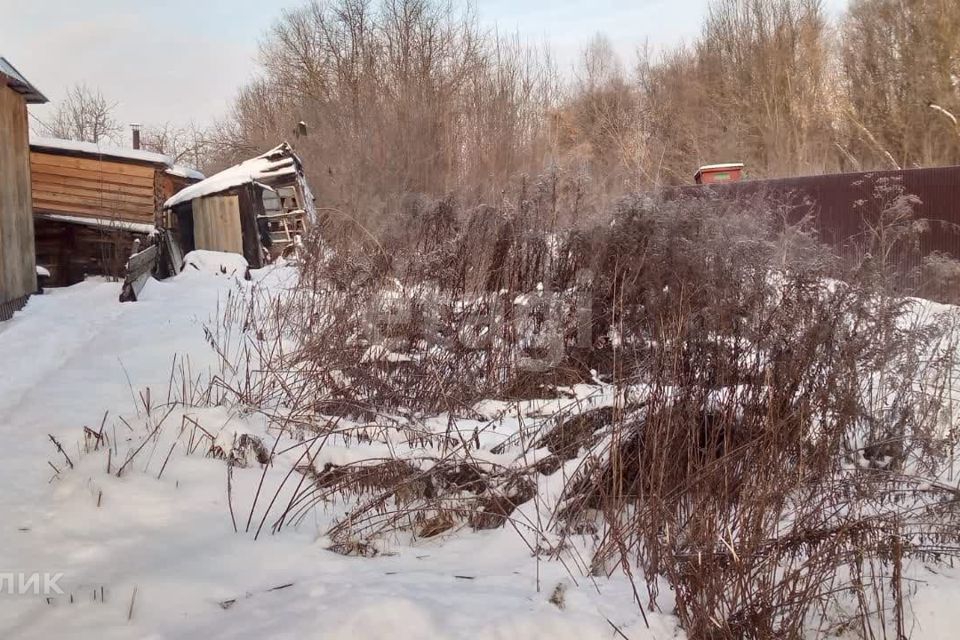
{"x":846,"y":205}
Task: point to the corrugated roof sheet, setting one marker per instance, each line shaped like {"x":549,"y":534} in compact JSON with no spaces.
{"x":18,"y":83}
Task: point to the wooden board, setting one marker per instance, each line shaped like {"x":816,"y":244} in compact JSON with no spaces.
{"x":18,"y":276}
{"x":106,"y":201}
{"x":40,"y":206}
{"x":86,"y":193}
{"x":173,"y":251}
{"x":93,"y":177}
{"x":73,"y":208}
{"x":88,"y":164}
{"x":139,"y":268}
{"x":216,"y":224}
{"x":95,"y":188}
{"x":42,"y":180}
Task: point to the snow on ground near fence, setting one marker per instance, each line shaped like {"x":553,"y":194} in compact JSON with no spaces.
{"x":159,"y":557}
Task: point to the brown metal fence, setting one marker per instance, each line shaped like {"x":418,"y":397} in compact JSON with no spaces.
{"x":843,"y":205}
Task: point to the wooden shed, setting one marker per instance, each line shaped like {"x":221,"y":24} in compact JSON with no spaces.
{"x":256,"y":208}
{"x":92,"y":201}
{"x":18,"y":275}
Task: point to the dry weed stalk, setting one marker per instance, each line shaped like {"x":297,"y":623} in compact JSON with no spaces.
{"x":774,"y":435}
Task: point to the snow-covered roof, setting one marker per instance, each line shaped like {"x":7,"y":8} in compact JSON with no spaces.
{"x":97,"y":149}
{"x":185,"y":172}
{"x":15,"y":80}
{"x":100,"y":223}
{"x":39,"y":143}
{"x":277,"y":163}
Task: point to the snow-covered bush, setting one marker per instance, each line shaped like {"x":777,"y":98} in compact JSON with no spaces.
{"x":722,"y":405}
{"x":782,"y":425}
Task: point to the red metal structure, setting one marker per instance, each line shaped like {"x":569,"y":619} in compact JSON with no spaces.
{"x":719,"y":173}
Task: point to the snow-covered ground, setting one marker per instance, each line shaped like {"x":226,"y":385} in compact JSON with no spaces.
{"x":153,"y":553}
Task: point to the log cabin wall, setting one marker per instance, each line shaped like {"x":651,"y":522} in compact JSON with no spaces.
{"x":166,"y":186}
{"x":97,"y":188}
{"x":18,"y":277}
{"x":70,"y":186}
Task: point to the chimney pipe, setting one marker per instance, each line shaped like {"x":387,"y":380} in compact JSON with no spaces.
{"x":136,"y":134}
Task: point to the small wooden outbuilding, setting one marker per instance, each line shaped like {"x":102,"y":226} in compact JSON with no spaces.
{"x":91,"y":202}
{"x":256,"y":208}
{"x":18,"y":271}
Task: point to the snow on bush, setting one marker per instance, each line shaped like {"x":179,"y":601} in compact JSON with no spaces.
{"x":216,"y":263}
{"x":765,"y":449}
{"x":773,"y":433}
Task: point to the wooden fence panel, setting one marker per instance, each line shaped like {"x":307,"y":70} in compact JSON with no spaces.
{"x":18,"y":275}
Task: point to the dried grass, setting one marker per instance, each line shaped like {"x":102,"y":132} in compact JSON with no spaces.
{"x":777,"y":436}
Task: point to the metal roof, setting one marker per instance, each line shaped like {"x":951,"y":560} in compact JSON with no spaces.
{"x":18,"y":83}
{"x":721,"y":167}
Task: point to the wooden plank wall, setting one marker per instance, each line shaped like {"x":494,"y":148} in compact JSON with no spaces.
{"x":18,"y":276}
{"x":216,"y":224}
{"x":72,"y":252}
{"x":168,"y":186}
{"x":99,"y":188}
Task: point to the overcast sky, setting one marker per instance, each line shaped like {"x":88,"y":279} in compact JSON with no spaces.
{"x":183,"y":60}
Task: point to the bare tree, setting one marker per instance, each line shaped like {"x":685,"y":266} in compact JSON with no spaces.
{"x":184,"y":145}
{"x":414,"y":96}
{"x":756,"y":86}
{"x":400,"y":96}
{"x":601,"y":125}
{"x":901,"y":64}
{"x":85,"y":115}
